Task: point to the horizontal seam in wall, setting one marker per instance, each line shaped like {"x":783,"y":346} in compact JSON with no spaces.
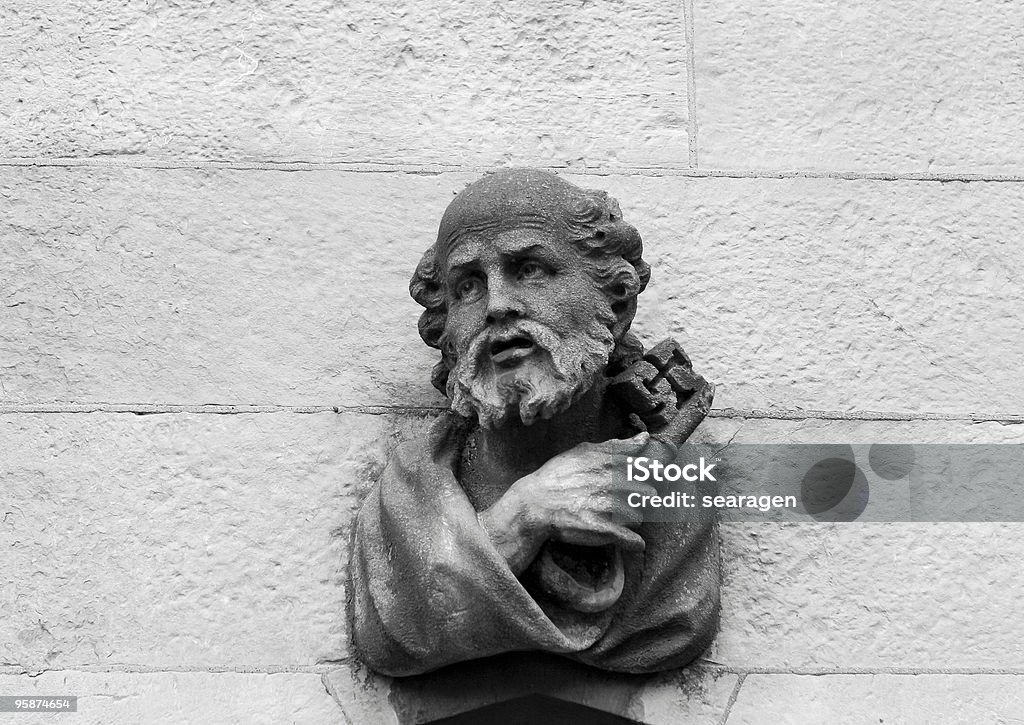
{"x":798,"y":414}
{"x":436,"y":169}
{"x":726,"y":413}
{"x":326,"y":668}
{"x":34,"y":671}
{"x":902,"y":671}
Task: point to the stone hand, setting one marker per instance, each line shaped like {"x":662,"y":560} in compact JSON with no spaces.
{"x":578,"y":496}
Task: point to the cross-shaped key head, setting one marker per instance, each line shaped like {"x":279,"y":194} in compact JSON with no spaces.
{"x":657,"y":386}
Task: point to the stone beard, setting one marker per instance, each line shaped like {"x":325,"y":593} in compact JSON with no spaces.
{"x":546,"y":383}
{"x":503,"y":529}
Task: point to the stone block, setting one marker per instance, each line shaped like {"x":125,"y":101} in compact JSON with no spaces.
{"x":412,"y":82}
{"x":171,"y":698}
{"x":891,"y":86}
{"x":222,"y":540}
{"x":890,"y":699}
{"x":839,"y":596}
{"x":179,"y":540}
{"x":290,"y":288}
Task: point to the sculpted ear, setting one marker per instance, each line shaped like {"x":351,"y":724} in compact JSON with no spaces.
{"x":625,"y":311}
{"x":622,"y":284}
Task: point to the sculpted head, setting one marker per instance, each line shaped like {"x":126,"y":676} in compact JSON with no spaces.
{"x":529,"y":290}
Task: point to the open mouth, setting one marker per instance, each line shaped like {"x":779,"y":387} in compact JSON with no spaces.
{"x":510,"y":351}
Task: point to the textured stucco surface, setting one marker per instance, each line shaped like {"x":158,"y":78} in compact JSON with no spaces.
{"x":169,"y":698}
{"x":220,"y":204}
{"x":290,"y":288}
{"x":836,"y":597}
{"x":542,"y":82}
{"x":891,"y":699}
{"x":221,"y":540}
{"x":901,"y":85}
{"x":179,"y":539}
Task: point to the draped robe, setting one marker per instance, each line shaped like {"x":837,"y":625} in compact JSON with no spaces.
{"x":429,"y":589}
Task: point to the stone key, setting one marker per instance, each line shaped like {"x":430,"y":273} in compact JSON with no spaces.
{"x":657,"y":387}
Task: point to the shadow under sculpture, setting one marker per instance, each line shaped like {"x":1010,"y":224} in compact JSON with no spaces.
{"x":506,"y":528}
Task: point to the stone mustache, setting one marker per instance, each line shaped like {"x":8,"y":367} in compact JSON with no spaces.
{"x":504,"y":528}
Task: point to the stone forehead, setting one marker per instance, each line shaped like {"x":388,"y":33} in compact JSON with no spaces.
{"x":511,"y":198}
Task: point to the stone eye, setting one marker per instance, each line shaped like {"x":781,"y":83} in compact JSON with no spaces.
{"x":531,"y":270}
{"x":469,"y":288}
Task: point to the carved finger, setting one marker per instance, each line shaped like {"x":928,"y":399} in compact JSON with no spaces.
{"x":624,"y":446}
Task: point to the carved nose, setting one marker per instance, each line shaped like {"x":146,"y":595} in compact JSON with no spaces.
{"x":496,"y":313}
{"x":502,"y":306}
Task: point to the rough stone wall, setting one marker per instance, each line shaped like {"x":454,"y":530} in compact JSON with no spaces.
{"x":208,"y":216}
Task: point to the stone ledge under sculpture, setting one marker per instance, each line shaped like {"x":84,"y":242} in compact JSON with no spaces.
{"x":505,"y":528}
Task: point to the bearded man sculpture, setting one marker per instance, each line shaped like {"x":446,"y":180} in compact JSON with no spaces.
{"x":506,"y":528}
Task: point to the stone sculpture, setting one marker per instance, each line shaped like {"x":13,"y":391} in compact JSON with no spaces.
{"x":505,"y":527}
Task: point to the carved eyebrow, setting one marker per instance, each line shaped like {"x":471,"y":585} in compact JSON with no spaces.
{"x":470,"y":265}
{"x":539,"y":252}
{"x":528,"y":249}
{"x":462,"y":254}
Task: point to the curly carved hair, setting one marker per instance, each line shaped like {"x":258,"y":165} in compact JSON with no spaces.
{"x":589,"y":220}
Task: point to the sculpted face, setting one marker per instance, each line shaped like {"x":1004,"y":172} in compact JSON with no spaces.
{"x":526,"y":324}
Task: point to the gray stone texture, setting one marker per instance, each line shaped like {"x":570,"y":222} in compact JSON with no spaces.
{"x":224,"y":286}
{"x":221,"y":541}
{"x":457,"y":83}
{"x":881,"y":698}
{"x":894,"y":86}
{"x":179,"y":540}
{"x":832,"y":597}
{"x":171,"y":698}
